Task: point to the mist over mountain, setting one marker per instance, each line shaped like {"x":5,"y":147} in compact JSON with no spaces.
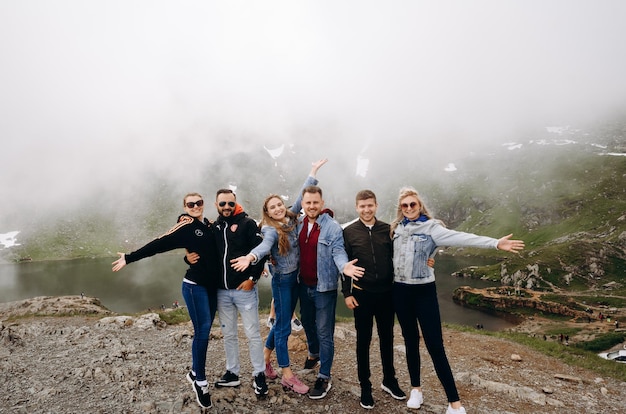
{"x":560,"y":188}
{"x":495,"y":111}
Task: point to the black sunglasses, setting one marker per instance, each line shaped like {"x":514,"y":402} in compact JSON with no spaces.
{"x":191,"y":204}
{"x":223,"y":203}
{"x":405,"y":206}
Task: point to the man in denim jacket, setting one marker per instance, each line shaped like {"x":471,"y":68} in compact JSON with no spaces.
{"x":322,"y":259}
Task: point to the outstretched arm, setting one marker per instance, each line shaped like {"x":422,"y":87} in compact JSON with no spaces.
{"x":242,"y":262}
{"x":119,"y":263}
{"x":508,"y":245}
{"x":355,"y":272}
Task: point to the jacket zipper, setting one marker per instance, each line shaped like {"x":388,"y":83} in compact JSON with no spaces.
{"x":373,"y":253}
{"x":225,"y":256}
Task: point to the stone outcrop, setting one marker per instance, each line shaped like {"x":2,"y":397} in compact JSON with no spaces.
{"x":54,"y":306}
{"x":107,"y":363}
{"x":491,"y":299}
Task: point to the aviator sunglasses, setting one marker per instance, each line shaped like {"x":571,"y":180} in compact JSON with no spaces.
{"x":191,"y":204}
{"x":223,"y":203}
{"x":405,"y":205}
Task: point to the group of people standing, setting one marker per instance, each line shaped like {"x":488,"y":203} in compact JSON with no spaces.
{"x":386,"y":270}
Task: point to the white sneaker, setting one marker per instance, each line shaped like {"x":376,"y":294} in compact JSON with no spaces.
{"x":451,"y":410}
{"x":416,"y":399}
{"x":296,"y":325}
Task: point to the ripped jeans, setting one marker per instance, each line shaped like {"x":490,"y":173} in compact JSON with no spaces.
{"x":246,"y":303}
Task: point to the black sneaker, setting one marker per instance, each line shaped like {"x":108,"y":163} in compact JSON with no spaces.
{"x":190,"y":377}
{"x":311,"y":363}
{"x":321,"y":388}
{"x":228,"y":380}
{"x":202,"y":395}
{"x":393,"y":389}
{"x":259,"y":384}
{"x":367,"y":401}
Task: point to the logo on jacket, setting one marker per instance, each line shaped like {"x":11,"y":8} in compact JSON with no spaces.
{"x":199,"y":233}
{"x":233,"y":228}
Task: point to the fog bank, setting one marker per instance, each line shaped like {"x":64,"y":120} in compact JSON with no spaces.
{"x":103,"y":100}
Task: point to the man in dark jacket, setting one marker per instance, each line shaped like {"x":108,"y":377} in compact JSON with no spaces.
{"x":236,"y":234}
{"x":369,"y":241}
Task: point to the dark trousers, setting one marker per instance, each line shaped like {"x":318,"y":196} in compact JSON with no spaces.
{"x":379,"y":306}
{"x":418,"y":304}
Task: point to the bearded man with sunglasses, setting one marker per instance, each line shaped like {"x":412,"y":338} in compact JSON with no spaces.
{"x":236,"y":234}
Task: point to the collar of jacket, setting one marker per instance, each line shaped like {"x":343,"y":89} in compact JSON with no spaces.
{"x":235,"y":218}
{"x":204,"y":220}
{"x":421,"y":218}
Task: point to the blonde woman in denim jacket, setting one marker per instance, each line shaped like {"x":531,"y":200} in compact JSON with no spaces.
{"x":280,"y":240}
{"x":416,"y":237}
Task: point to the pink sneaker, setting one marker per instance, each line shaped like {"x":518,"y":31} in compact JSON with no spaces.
{"x":269,"y":371}
{"x":294,"y":384}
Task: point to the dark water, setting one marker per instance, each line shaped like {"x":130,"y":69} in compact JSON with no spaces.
{"x":156,"y":281}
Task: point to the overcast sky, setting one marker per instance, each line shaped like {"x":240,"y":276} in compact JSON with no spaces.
{"x":105,"y":89}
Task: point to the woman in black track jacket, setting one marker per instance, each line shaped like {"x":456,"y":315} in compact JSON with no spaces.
{"x":199,"y":287}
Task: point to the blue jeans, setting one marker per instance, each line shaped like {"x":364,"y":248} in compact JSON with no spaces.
{"x":285,"y":294}
{"x":317,"y":312}
{"x":201,"y":305}
{"x":246,"y":303}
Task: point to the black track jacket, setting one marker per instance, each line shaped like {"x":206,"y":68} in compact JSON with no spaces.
{"x":191,"y":234}
{"x":235,"y":236}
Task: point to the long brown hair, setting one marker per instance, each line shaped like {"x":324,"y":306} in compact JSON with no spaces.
{"x":282,"y":229}
{"x":406,"y":192}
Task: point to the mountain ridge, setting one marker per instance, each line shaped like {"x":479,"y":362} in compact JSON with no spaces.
{"x":558,"y":190}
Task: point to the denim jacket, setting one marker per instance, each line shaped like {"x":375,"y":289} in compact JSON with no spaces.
{"x":415,"y":242}
{"x":331,"y":254}
{"x":289,"y":262}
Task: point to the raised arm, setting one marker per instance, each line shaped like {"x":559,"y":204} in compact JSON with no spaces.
{"x":310,"y":180}
{"x":316,"y":165}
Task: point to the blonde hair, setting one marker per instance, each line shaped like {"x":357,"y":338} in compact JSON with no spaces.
{"x":282,"y":229}
{"x":191,"y":195}
{"x":406,"y":192}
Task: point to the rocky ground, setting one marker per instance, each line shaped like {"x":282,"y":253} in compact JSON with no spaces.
{"x":98,"y":362}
